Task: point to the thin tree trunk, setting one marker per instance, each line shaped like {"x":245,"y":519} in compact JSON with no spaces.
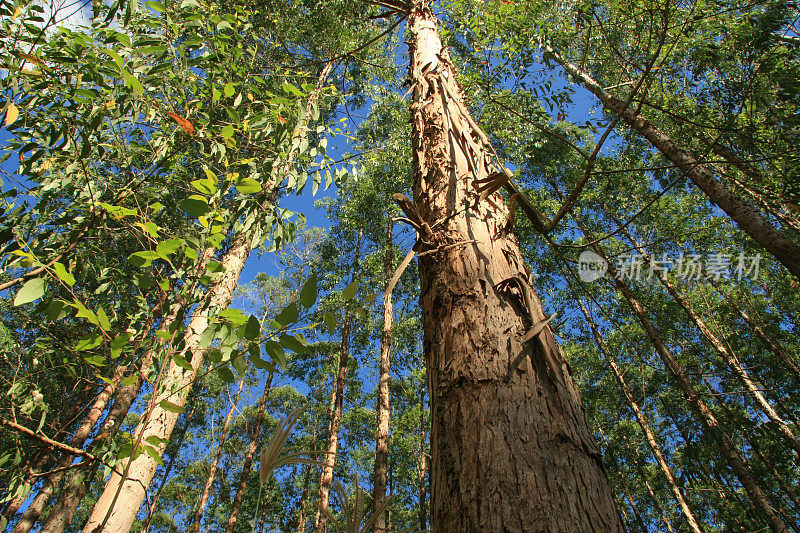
{"x":698,"y":405}
{"x":212,"y":473}
{"x":117,"y":507}
{"x":34,"y":510}
{"x":422,"y":471}
{"x":727,"y":355}
{"x":335,"y":412}
{"x":383,"y":413}
{"x":511,"y":449}
{"x":72,"y":494}
{"x":181,"y":436}
{"x":655,"y":501}
{"x":301,"y":515}
{"x":38,"y":465}
{"x":255,"y":437}
{"x":650,"y":438}
{"x":748,"y":219}
{"x":635,"y":509}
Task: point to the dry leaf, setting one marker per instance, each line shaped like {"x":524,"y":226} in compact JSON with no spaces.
{"x":182,"y":122}
{"x":11,"y":113}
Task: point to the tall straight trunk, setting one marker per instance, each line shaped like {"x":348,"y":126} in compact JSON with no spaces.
{"x":36,"y":465}
{"x":511,"y":449}
{"x":657,"y":505}
{"x":255,"y":437}
{"x":117,"y":507}
{"x":212,"y":472}
{"x":301,"y":512}
{"x":746,"y":217}
{"x":120,"y":501}
{"x":722,"y":350}
{"x":383,"y":413}
{"x":74,"y":491}
{"x":650,"y":438}
{"x":422,"y":471}
{"x":635,"y":509}
{"x":703,"y":412}
{"x":165,"y":477}
{"x":335,"y":415}
{"x":34,"y":510}
{"x":774,"y":346}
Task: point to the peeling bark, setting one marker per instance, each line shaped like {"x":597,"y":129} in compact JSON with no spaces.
{"x":510,"y":446}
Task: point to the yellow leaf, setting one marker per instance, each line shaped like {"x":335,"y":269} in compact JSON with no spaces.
{"x":11,"y":113}
{"x":16,"y":12}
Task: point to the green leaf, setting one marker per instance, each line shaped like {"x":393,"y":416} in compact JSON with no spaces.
{"x":195,"y":205}
{"x":131,"y":81}
{"x":239,"y":365}
{"x":142,"y":259}
{"x":225,"y":374}
{"x":32,"y":290}
{"x":102,"y":318}
{"x":63,"y":274}
{"x":168,"y":247}
{"x":171,"y":407}
{"x":330,"y":321}
{"x":252,"y":328}
{"x":308,"y":294}
{"x":234,"y":316}
{"x":248,"y":186}
{"x":229,"y":89}
{"x":293,"y":343}
{"x":288,"y":316}
{"x":87,"y":343}
{"x":204,"y":185}
{"x":227,"y":131}
{"x":182,"y":362}
{"x":276,"y":353}
{"x":156,"y":6}
{"x":349,"y":292}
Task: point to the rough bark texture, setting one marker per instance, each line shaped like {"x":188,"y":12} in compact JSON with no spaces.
{"x":510,"y":446}
{"x":422,"y":471}
{"x":34,"y":510}
{"x":238,"y":498}
{"x":746,"y":217}
{"x":383,"y":413}
{"x":212,"y":472}
{"x":650,"y":438}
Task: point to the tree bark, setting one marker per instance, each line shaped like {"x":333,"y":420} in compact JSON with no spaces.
{"x":117,"y":507}
{"x":238,"y":498}
{"x":422,"y":472}
{"x":746,"y":217}
{"x":383,"y":413}
{"x":510,"y":446}
{"x":650,"y":438}
{"x":212,"y":473}
{"x":164,"y":478}
{"x":34,"y":510}
{"x":335,"y":412}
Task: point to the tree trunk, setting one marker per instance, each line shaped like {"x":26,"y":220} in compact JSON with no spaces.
{"x":748,"y":219}
{"x":698,"y":405}
{"x":423,"y":465}
{"x":36,"y":466}
{"x":41,"y":500}
{"x":510,"y":446}
{"x":672,"y":483}
{"x":73,"y":492}
{"x":117,"y":507}
{"x":181,"y":436}
{"x":212,"y":473}
{"x":335,"y":412}
{"x":382,"y":425}
{"x":301,"y":514}
{"x":727,"y":355}
{"x":238,"y":498}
